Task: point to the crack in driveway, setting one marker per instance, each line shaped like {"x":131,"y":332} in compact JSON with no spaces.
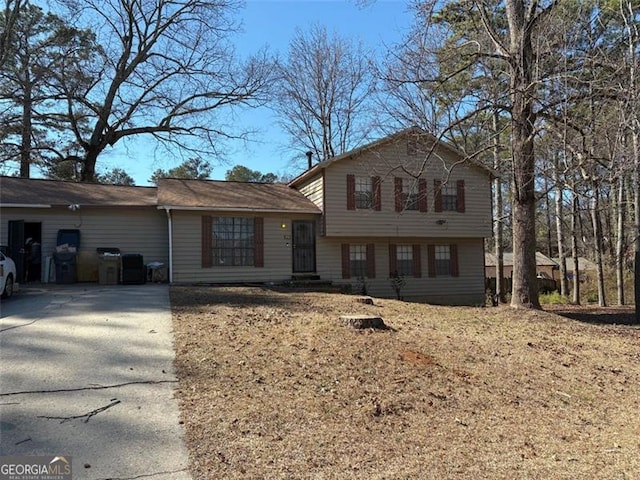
{"x":97,"y":387}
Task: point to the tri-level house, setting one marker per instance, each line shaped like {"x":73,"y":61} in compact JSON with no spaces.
{"x":405,"y":210}
{"x":408,"y":207}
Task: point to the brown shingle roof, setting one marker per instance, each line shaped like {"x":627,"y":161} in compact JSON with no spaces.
{"x":542,"y":260}
{"x":31,"y":191}
{"x":220,"y":195}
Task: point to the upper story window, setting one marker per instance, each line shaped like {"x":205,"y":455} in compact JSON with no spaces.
{"x":410,"y":194}
{"x":449,"y":196}
{"x":364,"y":193}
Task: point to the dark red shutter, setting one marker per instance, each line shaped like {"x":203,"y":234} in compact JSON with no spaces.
{"x":351,"y":192}
{"x":437,"y":191}
{"x":453,"y":253}
{"x":346,"y":261}
{"x":417,"y":264}
{"x":422,"y":194}
{"x":431,"y":259}
{"x":393,"y":260}
{"x":460,"y":194}
{"x":376,"y":183}
{"x":397,"y":188}
{"x":207,"y":242}
{"x":371,"y":260}
{"x":258,"y":242}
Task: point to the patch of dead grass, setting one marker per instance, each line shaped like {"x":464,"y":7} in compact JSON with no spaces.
{"x":273,"y":386}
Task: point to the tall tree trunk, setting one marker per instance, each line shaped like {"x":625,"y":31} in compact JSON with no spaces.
{"x":497,"y":220}
{"x":597,"y":242}
{"x":636,"y":188}
{"x":559,"y":191}
{"x":575,"y":211}
{"x":547,"y":204}
{"x":620,"y":241}
{"x":525,"y":288}
{"x":27,"y":126}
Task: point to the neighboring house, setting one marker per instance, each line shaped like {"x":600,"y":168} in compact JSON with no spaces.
{"x":585,"y":267}
{"x":405,"y":206}
{"x":106,"y":215}
{"x":545,"y":266}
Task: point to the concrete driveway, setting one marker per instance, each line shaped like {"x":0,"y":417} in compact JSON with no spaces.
{"x":87,"y":372}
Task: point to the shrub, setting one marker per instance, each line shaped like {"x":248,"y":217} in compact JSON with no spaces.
{"x":553,"y":298}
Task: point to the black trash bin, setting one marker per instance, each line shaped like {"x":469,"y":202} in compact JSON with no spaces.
{"x":65,"y":263}
{"x":134,"y":270}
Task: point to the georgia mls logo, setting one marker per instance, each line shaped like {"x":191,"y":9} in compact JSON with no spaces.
{"x":35,"y":468}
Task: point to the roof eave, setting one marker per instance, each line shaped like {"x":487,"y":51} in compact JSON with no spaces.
{"x":237,"y":209}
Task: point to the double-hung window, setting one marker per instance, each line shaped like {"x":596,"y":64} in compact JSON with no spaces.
{"x":410,"y":195}
{"x":358,"y":260}
{"x":404,"y":260}
{"x":233,"y":241}
{"x":449,"y":197}
{"x":442,"y":260}
{"x":363,"y":193}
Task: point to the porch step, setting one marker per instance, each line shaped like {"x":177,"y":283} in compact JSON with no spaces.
{"x":312,"y":283}
{"x":305,"y":277}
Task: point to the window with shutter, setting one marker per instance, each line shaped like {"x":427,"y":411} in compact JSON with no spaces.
{"x":234,"y":242}
{"x":443,"y":260}
{"x":363,"y":193}
{"x":404,"y":260}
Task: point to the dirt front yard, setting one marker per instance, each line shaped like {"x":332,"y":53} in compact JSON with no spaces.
{"x":272,"y":385}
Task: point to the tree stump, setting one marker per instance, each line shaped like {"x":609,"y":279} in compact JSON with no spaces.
{"x":363,"y":321}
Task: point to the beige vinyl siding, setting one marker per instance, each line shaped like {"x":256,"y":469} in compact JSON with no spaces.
{"x":384,"y":162}
{"x":187,"y":250}
{"x":132,"y":230}
{"x":313,"y":190}
{"x":466,"y":289}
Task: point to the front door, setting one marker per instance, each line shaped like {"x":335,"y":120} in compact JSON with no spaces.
{"x":304,"y":246}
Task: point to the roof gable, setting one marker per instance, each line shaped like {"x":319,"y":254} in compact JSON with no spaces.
{"x":313,"y":171}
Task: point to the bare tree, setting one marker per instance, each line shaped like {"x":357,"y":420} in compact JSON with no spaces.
{"x":324,"y":88}
{"x":8,"y":19}
{"x":167,"y":71}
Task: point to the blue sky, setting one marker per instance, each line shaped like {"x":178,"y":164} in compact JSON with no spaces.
{"x":377,"y":24}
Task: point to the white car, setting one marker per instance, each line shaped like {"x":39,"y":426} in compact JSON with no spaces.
{"x":7,"y":275}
